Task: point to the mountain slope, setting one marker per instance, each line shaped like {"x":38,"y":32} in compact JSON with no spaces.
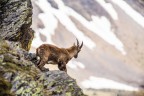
{"x":112,"y":32}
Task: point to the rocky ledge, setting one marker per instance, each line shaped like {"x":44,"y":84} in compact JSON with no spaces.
{"x":18,"y":74}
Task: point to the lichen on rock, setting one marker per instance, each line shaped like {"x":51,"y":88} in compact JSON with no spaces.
{"x":19,"y":76}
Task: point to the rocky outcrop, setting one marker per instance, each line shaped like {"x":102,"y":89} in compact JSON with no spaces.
{"x":16,"y":21}
{"x":19,"y":76}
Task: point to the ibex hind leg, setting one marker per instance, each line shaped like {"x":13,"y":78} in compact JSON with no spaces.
{"x":41,"y":56}
{"x":41,"y":66}
{"x":43,"y":61}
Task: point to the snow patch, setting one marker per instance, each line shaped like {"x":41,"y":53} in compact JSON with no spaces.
{"x":103,"y":83}
{"x":109,"y":8}
{"x":104,"y":31}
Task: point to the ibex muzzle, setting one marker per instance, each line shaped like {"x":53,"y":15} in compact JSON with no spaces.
{"x":50,"y":54}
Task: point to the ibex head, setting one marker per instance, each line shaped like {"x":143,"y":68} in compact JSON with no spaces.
{"x":78,"y":48}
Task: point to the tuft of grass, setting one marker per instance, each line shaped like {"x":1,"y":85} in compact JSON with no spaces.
{"x":5,"y":87}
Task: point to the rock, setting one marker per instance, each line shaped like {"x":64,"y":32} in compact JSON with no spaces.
{"x":60,"y":84}
{"x":19,"y":76}
{"x":16,"y":21}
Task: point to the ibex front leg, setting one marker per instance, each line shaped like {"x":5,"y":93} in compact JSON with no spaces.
{"x":62,"y":66}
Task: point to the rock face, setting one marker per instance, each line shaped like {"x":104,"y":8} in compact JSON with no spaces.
{"x":16,"y":21}
{"x":18,"y":75}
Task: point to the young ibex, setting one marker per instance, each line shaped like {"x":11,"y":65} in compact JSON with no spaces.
{"x":51,"y":54}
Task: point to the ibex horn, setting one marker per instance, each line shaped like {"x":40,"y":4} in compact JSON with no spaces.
{"x":77,"y":42}
{"x":81,"y":45}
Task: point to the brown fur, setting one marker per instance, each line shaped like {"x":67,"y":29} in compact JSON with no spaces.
{"x":51,"y":54}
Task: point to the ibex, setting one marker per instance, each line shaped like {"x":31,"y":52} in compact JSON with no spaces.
{"x":50,"y":54}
